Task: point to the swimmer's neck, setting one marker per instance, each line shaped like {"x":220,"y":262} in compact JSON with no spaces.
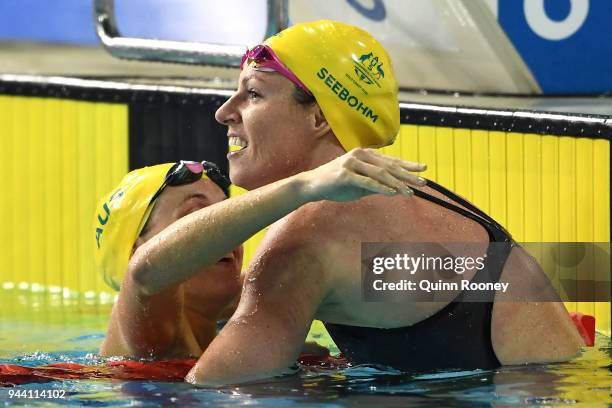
{"x":325,"y":151}
{"x":203,"y":323}
{"x":203,"y":310}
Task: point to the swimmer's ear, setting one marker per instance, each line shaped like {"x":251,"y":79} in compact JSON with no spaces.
{"x":321,"y":127}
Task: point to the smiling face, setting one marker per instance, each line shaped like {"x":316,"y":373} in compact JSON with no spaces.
{"x":221,"y":282}
{"x":275,"y":135}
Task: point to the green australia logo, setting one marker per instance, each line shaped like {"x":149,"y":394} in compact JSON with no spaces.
{"x":369,"y":69}
{"x":103,"y":218}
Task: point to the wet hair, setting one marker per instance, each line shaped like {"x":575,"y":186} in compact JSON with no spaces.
{"x":301,"y":97}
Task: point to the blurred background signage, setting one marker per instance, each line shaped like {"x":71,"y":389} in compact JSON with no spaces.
{"x":496,"y":46}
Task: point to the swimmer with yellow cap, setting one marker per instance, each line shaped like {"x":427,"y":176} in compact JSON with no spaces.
{"x":130,"y":205}
{"x":170,"y":241}
{"x":341,"y":79}
{"x":305,"y":97}
{"x":146,"y":202}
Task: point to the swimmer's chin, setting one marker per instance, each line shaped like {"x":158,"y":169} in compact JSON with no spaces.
{"x":246,"y":181}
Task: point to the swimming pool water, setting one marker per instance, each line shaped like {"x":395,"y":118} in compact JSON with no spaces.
{"x":38,"y":329}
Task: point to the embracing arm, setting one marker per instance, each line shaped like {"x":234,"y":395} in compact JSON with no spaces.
{"x":282,"y":292}
{"x":149,"y":314}
{"x":149,"y":317}
{"x":284,"y":287}
{"x":200,"y":239}
{"x":145,"y":326}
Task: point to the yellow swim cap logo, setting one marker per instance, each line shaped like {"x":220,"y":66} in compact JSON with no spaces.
{"x":344,"y":94}
{"x":368,"y":68}
{"x":105,"y":216}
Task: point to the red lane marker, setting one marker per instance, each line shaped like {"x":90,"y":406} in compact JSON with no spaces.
{"x":585,"y":324}
{"x":172,"y":370}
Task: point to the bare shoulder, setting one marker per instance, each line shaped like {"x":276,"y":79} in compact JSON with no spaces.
{"x":292,"y":240}
{"x":317,"y":218}
{"x":363,"y":218}
{"x":299,"y":248}
{"x":531,"y":331}
{"x":326,"y":228}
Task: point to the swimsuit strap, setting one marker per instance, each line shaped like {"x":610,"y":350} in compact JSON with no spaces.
{"x":497,"y":233}
{"x":496,"y":255}
{"x":457,"y":336}
{"x":455,"y":197}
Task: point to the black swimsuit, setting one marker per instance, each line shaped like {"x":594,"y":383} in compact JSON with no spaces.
{"x":456,"y":337}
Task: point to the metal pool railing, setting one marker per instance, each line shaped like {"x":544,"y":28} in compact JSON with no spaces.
{"x":176,"y":51}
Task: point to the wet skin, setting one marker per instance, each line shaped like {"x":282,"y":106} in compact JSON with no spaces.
{"x":308,"y":265}
{"x":180,"y":276}
{"x":179,"y":321}
{"x":277,"y":130}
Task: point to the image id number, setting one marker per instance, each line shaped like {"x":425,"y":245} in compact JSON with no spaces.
{"x":37,"y":394}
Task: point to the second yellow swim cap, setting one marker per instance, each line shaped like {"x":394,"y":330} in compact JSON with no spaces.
{"x":119,"y":218}
{"x":351,"y":76}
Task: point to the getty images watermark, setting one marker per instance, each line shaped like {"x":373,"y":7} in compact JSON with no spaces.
{"x":481,"y":272}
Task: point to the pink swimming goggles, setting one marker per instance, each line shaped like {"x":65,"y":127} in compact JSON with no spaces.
{"x":265,"y":57}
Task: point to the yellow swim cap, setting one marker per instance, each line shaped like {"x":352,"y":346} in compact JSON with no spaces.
{"x":119,"y":219}
{"x":351,"y":76}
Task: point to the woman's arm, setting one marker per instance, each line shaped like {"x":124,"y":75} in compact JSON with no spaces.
{"x":200,"y":239}
{"x":148,"y":319}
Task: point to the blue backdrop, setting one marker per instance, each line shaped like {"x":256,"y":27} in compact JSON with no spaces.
{"x":68,"y":21}
{"x":578,"y":62}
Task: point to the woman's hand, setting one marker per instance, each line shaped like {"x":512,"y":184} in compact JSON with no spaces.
{"x":359,"y":173}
